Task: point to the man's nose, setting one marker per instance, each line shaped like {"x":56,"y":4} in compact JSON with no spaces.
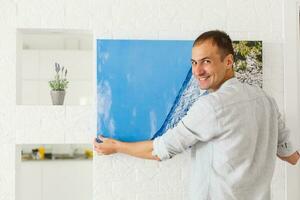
{"x":197,"y":69}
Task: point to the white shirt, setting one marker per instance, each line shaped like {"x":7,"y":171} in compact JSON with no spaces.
{"x":235,"y":134}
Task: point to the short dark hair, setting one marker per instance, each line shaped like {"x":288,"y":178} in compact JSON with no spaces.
{"x":219,"y":38}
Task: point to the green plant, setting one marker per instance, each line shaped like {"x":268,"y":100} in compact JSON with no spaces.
{"x":60,"y":82}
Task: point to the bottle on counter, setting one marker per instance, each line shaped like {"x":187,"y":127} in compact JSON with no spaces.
{"x":41,"y":152}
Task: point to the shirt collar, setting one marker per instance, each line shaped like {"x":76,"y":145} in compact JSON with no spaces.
{"x":231,"y":81}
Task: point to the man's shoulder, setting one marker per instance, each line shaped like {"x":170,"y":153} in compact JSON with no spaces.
{"x":234,"y":94}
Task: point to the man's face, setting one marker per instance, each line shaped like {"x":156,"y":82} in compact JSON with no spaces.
{"x":208,"y":67}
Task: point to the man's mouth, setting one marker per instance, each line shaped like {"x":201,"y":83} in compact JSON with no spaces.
{"x":203,"y":78}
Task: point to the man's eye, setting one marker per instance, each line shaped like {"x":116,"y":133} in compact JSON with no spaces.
{"x":194,"y":63}
{"x":206,"y":61}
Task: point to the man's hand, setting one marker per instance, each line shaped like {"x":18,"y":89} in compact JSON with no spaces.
{"x":107,"y":146}
{"x":292,"y":159}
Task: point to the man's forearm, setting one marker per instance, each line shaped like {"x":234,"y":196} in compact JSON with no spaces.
{"x":137,"y":149}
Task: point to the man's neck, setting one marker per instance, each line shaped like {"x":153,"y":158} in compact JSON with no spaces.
{"x":226,"y":78}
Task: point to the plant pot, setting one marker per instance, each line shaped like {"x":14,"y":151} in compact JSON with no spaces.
{"x":57,"y":97}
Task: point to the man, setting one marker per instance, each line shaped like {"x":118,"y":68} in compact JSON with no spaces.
{"x":234,"y":132}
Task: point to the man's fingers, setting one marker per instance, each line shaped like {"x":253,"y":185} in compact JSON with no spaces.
{"x":98,"y":150}
{"x":102,"y":138}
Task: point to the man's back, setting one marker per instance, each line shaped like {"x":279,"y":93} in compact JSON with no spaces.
{"x":238,"y":161}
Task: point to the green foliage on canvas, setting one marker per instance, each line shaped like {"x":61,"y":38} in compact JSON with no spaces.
{"x":245,"y":52}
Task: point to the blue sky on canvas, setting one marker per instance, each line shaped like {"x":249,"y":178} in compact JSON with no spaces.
{"x":138,"y":81}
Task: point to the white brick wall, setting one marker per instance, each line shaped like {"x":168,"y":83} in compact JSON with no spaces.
{"x":119,"y":176}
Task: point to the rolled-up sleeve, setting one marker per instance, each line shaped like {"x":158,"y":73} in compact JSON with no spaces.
{"x":198,"y":125}
{"x":160,"y":149}
{"x":174,"y":141}
{"x":285,"y":146}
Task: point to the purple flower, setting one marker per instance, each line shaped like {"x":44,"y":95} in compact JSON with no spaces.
{"x":57,"y":67}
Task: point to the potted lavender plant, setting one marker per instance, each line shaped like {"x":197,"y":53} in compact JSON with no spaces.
{"x":59,"y":85}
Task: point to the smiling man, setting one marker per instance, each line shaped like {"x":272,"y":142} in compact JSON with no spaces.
{"x":235,"y":132}
{"x":211,"y":65}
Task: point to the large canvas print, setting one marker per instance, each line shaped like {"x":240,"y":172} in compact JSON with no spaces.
{"x":145,"y":87}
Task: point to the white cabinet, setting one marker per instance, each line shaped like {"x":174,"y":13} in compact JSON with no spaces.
{"x":55,"y":180}
{"x":29,"y":181}
{"x":67,"y":180}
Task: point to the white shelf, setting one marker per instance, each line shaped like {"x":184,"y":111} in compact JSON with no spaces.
{"x":35,"y":67}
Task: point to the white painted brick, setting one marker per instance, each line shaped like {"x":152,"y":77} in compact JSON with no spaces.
{"x":262,"y":8}
{"x":128,"y":35}
{"x":124,"y":18}
{"x":7,"y":125}
{"x":102,"y":173}
{"x":254,"y":36}
{"x":175,"y":187}
{"x":102,"y":196}
{"x":182,"y":35}
{"x":148,"y":16}
{"x":145,"y":35}
{"x":28,"y":124}
{"x":152,"y":197}
{"x":46,"y":124}
{"x":169,"y":18}
{"x":238,"y":35}
{"x":124,"y":167}
{"x":53,"y":13}
{"x":148,"y":186}
{"x":102,"y":188}
{"x":272,"y":37}
{"x":78,"y":14}
{"x":174,"y":27}
{"x":7,"y":68}
{"x":103,"y":30}
{"x":147,"y":174}
{"x":6,"y":155}
{"x":168,"y":14}
{"x":174,"y":196}
{"x":102,"y":18}
{"x":241,"y":16}
{"x":79,"y":123}
{"x":124,"y":189}
{"x":52,"y":123}
{"x":102,"y":9}
{"x":29,"y":14}
{"x":215,"y":17}
{"x":276,"y":15}
{"x":8,"y":14}
{"x":102,"y":163}
{"x":7,"y":81}
{"x":146,"y":165}
{"x":7,"y":180}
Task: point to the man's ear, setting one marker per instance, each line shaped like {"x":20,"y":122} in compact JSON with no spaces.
{"x":229,"y":61}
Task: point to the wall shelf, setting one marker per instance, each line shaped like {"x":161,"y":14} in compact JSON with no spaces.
{"x":37,"y":52}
